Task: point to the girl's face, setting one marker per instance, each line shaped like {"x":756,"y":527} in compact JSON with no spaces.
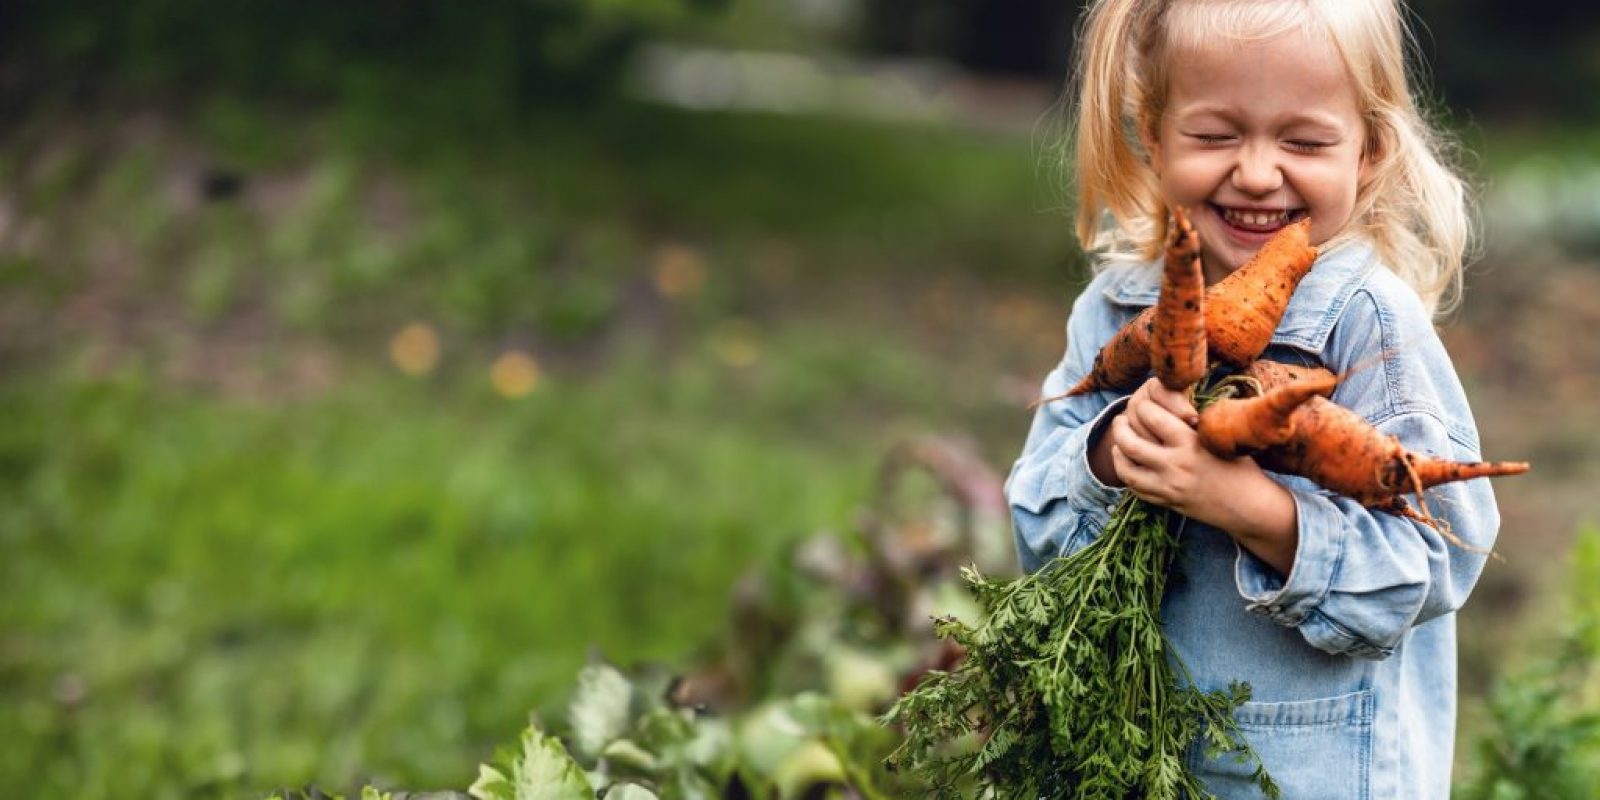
{"x":1256,"y":135}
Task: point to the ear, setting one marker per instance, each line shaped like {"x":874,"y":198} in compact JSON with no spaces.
{"x":1371,"y":151}
{"x":1150,"y":139}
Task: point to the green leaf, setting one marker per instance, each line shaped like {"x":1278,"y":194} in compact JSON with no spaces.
{"x":811,"y":764}
{"x":625,"y":753}
{"x":545,"y":771}
{"x":491,"y":785}
{"x":712,"y":745}
{"x":541,"y":770}
{"x":599,"y":710}
{"x":630,"y":791}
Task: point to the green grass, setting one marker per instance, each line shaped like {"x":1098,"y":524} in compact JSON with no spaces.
{"x":218,"y":583}
{"x":540,"y":228}
{"x":208,"y":594}
{"x":213,"y":590}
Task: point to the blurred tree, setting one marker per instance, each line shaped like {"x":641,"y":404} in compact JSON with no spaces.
{"x":485,"y":55}
{"x":1529,"y":59}
{"x":1536,"y":59}
{"x":1020,"y":37}
{"x":1533,"y":59}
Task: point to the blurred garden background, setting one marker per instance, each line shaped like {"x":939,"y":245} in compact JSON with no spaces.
{"x":368,"y":367}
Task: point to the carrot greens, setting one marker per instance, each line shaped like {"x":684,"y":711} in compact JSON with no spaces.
{"x":1069,"y":687}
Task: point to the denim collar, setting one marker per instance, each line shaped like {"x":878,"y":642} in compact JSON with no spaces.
{"x":1313,"y":308}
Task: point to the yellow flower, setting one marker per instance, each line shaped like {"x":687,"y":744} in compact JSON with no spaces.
{"x":415,"y":349}
{"x":680,"y":271}
{"x":514,"y":374}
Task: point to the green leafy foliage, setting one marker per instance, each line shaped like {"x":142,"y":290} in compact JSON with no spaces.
{"x":540,"y":770}
{"x":784,"y":747}
{"x":1067,"y":689}
{"x":1543,"y":739}
{"x":599,"y":710}
{"x":367,"y":793}
{"x":630,"y":791}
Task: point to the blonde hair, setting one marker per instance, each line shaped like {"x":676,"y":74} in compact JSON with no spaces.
{"x":1414,"y":206}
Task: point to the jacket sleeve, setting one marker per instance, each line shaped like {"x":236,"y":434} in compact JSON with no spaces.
{"x":1361,"y":579}
{"x":1057,"y":505}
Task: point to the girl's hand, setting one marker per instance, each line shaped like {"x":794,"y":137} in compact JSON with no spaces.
{"x":1158,"y":456}
{"x":1156,"y":453}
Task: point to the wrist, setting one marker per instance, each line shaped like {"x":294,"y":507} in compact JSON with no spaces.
{"x":1261,"y":515}
{"x":1101,"y":467}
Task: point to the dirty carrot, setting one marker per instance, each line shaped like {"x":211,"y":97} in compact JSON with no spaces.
{"x":1338,"y":450}
{"x":1178,"y":332}
{"x":1230,"y":427}
{"x":1331,"y":445}
{"x":1122,"y":362}
{"x":1270,"y":375}
{"x":1241,"y":311}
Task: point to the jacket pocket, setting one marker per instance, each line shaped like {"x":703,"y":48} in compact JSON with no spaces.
{"x":1313,"y":749}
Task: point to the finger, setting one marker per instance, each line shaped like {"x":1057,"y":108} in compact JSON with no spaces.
{"x":1143,"y":398}
{"x":1127,"y":471}
{"x":1176,"y":403}
{"x":1132,"y":422}
{"x":1162,"y":426}
{"x":1146,"y":391}
{"x":1132,"y":475}
{"x":1128,"y":432}
{"x":1147,"y":454}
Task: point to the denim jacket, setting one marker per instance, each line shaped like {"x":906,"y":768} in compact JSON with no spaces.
{"x":1352,"y":656}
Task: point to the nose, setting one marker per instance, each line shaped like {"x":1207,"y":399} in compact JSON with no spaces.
{"x":1257,"y":172}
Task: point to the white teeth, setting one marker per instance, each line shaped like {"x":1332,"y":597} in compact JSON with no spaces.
{"x":1255,"y":219}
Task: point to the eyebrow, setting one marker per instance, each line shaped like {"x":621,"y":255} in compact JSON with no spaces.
{"x":1314,"y":119}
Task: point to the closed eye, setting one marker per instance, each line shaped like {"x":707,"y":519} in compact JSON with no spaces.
{"x":1211,"y":138}
{"x":1305,"y":145}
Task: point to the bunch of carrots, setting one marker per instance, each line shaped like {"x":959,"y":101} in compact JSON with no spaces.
{"x":1066,"y":688}
{"x":1281,"y":415}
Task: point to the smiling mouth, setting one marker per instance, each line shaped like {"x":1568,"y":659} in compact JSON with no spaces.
{"x":1257,"y":220}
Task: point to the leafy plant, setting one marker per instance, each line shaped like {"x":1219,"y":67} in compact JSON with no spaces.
{"x":628,"y":741}
{"x":540,"y":770}
{"x":1066,"y":689}
{"x":1544,"y":734}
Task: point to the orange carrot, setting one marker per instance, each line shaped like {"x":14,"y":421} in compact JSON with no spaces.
{"x":1340,"y":451}
{"x":1331,"y":445}
{"x":1123,"y":361}
{"x":1178,"y":333}
{"x":1241,"y":311}
{"x":1272,"y":374}
{"x":1231,"y":427}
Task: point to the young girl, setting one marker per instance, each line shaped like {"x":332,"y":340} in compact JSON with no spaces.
{"x":1251,"y":114}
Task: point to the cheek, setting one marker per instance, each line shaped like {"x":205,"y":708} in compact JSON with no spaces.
{"x":1187,"y":181}
{"x":1331,"y":193}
